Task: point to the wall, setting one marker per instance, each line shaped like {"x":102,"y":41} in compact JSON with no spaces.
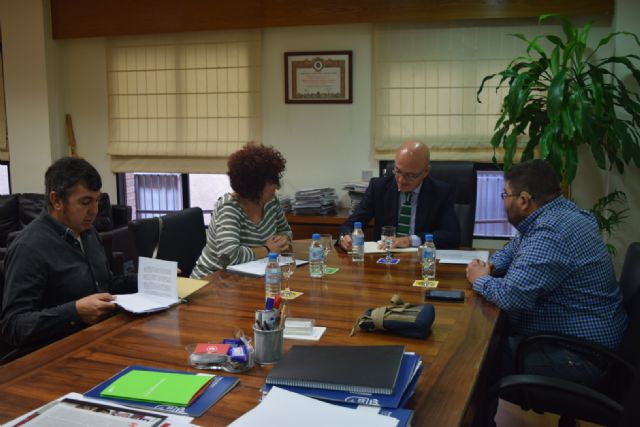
{"x":325,"y":145}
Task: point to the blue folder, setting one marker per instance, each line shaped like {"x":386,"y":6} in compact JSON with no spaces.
{"x":218,"y":387}
{"x":408,"y":375}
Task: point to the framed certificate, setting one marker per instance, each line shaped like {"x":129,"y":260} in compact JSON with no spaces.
{"x":318,"y":77}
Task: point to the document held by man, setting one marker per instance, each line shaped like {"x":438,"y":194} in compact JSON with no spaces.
{"x":157,"y":287}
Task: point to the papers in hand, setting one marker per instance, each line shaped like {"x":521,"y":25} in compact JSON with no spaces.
{"x":257,"y":268}
{"x":157,"y":287}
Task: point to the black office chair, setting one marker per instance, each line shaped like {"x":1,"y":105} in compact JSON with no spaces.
{"x":602,"y":404}
{"x":463,"y":179}
{"x":178,"y":236}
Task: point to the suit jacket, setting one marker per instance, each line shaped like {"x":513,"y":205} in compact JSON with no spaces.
{"x":434,"y":212}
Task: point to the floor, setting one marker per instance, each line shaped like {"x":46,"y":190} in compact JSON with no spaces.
{"x":510,"y":415}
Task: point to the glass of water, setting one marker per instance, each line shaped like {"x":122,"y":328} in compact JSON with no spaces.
{"x":287,"y":261}
{"x":388,"y":236}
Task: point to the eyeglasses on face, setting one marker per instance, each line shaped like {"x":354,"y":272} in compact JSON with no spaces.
{"x":408,"y":175}
{"x":504,"y":195}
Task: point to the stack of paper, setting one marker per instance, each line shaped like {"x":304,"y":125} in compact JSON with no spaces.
{"x":285,"y":203}
{"x":315,"y":201}
{"x":356,"y":191}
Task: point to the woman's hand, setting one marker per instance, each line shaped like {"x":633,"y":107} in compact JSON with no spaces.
{"x":278,"y":243}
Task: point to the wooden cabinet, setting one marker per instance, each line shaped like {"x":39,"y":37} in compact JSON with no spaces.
{"x":303,"y":226}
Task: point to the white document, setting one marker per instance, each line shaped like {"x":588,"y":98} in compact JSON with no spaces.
{"x":315,"y":335}
{"x":256,"y":268}
{"x":52,"y":415}
{"x":448,"y":256}
{"x":288,"y":409}
{"x":372,"y":248}
{"x":157,"y":287}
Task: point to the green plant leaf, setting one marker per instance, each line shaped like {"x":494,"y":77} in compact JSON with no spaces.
{"x":555,"y":59}
{"x":556,"y":40}
{"x":567,"y":26}
{"x":556,"y":95}
{"x":571,"y":163}
{"x":497,"y":137}
{"x":509,"y":150}
{"x":547,"y":139}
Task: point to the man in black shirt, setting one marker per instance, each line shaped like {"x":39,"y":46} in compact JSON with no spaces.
{"x":57,"y":277}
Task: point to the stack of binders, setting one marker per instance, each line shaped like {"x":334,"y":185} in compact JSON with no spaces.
{"x":378,"y":376}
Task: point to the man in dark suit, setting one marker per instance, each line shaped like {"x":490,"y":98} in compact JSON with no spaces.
{"x":409,"y":200}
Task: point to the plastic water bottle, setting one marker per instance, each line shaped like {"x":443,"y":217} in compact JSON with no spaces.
{"x":357,"y":243}
{"x":428,"y":254}
{"x":316,"y":257}
{"x":272,"y":276}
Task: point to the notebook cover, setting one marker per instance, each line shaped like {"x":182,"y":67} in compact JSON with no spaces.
{"x":410,"y":371}
{"x":357,"y":369}
{"x":217,"y":388}
{"x":168,"y":388}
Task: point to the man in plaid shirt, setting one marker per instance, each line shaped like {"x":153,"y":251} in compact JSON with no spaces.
{"x":555,"y":276}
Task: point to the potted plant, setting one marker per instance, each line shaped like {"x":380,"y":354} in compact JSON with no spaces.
{"x":566,"y":96}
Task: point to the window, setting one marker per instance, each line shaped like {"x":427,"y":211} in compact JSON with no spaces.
{"x":182,"y":102}
{"x":156,"y":194}
{"x":491,"y":218}
{"x":5,"y":188}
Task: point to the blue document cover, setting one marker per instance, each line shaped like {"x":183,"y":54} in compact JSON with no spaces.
{"x":218,"y":387}
{"x":410,"y":370}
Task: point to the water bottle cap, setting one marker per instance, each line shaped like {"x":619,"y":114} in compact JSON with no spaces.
{"x":315,"y":236}
{"x":428,"y":237}
{"x":357,"y":225}
{"x":273,"y":256}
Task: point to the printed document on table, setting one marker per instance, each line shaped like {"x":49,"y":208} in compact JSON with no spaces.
{"x":449,"y":256}
{"x":257,"y":268}
{"x":157,"y":287}
{"x":372,"y":248}
{"x":288,"y":409}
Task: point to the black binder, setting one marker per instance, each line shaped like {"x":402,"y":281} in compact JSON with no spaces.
{"x":356,"y":369}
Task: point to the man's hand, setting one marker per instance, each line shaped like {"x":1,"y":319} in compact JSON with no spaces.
{"x":94,"y":308}
{"x":346,"y":243}
{"x":476,"y":269}
{"x":402,"y":242}
{"x":278,"y":243}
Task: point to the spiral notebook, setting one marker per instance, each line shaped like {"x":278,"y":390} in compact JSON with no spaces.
{"x":357,"y":369}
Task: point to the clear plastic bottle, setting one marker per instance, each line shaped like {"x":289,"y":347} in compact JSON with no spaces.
{"x":428,"y":256}
{"x":316,"y":257}
{"x":272,"y":276}
{"x":357,"y":243}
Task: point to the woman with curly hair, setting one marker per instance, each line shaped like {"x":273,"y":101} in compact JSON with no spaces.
{"x":249,"y":222}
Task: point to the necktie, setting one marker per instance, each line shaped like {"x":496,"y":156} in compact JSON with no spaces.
{"x":404,"y":218}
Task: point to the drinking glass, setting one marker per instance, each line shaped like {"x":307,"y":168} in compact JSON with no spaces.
{"x":287,"y":261}
{"x":388,"y":236}
{"x":327,"y":243}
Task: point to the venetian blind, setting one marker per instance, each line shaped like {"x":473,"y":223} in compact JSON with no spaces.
{"x":426,"y":79}
{"x":182,"y":103}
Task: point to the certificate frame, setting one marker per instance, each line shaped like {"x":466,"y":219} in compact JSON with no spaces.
{"x":318,"y":77}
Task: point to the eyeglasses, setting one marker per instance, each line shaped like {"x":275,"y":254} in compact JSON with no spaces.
{"x":504,"y":195}
{"x":409,"y":176}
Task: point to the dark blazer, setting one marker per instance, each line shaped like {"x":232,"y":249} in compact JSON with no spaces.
{"x":434,"y":214}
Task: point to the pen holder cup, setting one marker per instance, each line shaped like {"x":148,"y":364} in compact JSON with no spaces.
{"x":269,"y":345}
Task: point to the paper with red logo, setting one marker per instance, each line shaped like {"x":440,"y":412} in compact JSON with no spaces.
{"x":209,"y":348}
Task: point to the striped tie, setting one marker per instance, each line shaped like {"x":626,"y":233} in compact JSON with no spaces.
{"x":404,"y":219}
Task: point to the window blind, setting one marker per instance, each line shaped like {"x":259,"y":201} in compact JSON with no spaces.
{"x":182,"y":103}
{"x":425,"y":82}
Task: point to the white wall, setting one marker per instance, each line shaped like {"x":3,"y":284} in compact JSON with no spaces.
{"x":325,"y":145}
{"x":26,"y":93}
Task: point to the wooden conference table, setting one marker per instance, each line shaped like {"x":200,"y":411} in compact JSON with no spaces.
{"x":454,"y":354}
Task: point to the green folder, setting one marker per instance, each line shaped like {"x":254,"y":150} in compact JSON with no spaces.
{"x":158,"y":387}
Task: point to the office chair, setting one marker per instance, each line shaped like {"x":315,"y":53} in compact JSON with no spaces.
{"x":602,"y":404}
{"x":463,"y":179}
{"x":178,"y":236}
